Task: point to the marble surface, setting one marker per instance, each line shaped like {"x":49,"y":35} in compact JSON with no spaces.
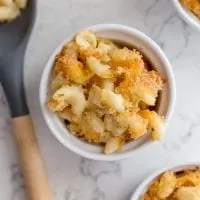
{"x":75,"y":178}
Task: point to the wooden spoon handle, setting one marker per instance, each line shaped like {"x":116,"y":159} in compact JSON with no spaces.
{"x":30,"y":158}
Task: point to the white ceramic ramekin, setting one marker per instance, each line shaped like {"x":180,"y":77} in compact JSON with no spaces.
{"x":187,"y":16}
{"x":143,"y":187}
{"x":157,"y":58}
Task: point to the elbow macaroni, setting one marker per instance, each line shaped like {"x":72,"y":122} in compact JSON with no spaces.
{"x":10,"y":9}
{"x":98,"y":88}
{"x":184,"y":185}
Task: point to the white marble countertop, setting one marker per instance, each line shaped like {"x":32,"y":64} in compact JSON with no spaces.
{"x":75,"y":178}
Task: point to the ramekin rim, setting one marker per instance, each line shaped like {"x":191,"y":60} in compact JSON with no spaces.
{"x":170,"y":75}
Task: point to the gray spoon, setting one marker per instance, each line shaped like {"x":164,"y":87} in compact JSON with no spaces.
{"x":14,"y":37}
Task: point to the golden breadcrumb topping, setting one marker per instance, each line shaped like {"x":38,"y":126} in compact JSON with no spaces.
{"x":104,"y":91}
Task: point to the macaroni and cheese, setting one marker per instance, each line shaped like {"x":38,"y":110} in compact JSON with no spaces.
{"x":184,"y":185}
{"x":105,"y":93}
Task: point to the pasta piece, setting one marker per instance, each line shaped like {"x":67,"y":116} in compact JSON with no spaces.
{"x":146,"y":96}
{"x":56,"y":106}
{"x":71,"y":95}
{"x":86,"y":39}
{"x":112,"y":126}
{"x":141,"y":86}
{"x":113,"y":100}
{"x":108,"y":84}
{"x":94,"y":97}
{"x":66,"y":114}
{"x":95,"y":122}
{"x":92,"y":123}
{"x":188,"y":193}
{"x":94,"y":100}
{"x":58,"y":82}
{"x":89,"y":52}
{"x":194,"y":177}
{"x":183,"y":181}
{"x":95,"y":103}
{"x":69,"y":115}
{"x":105,"y":46}
{"x":155,"y":122}
{"x":6,"y":2}
{"x":137,"y":126}
{"x":113,"y":144}
{"x":74,"y":128}
{"x":21,"y":3}
{"x":99,"y":69}
{"x":167,"y":185}
{"x":123,"y":118}
{"x":9,"y":12}
{"x":10,"y":9}
{"x":148,"y":86}
{"x":92,"y":127}
{"x":105,"y":136}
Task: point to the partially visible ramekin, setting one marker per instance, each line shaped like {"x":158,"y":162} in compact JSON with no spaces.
{"x":143,"y":187}
{"x":156,"y":56}
{"x":186,"y":15}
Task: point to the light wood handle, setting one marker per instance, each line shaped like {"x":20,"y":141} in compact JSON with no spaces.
{"x":31,"y":162}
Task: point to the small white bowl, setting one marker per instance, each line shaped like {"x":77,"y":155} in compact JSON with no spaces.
{"x":158,"y":59}
{"x":144,"y":186}
{"x":187,"y":16}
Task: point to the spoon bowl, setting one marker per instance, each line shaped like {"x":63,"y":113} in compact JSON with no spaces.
{"x":14,"y":37}
{"x":16,"y":32}
{"x":13,"y":40}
